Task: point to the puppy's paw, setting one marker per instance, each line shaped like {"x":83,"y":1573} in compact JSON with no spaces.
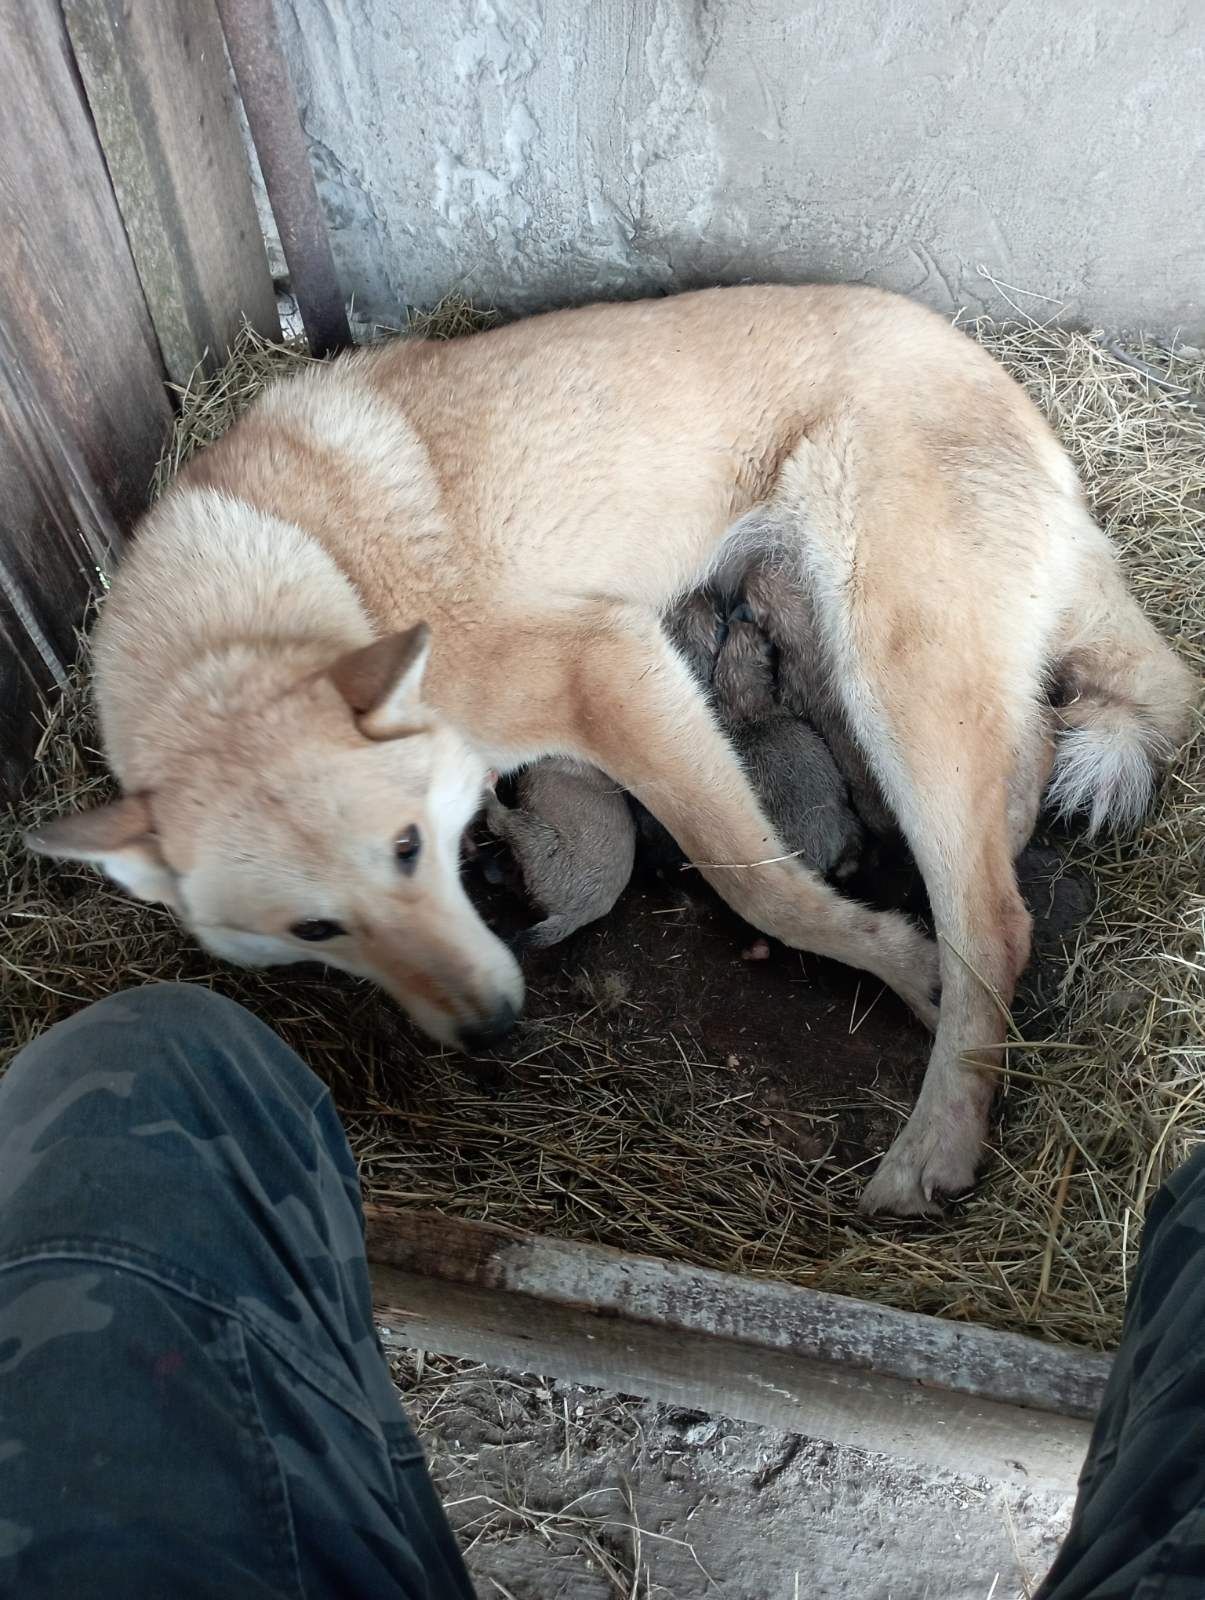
{"x":496,"y":815}
{"x":543,"y":935}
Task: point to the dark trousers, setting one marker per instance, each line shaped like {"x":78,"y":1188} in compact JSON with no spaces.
{"x":192,"y":1398}
{"x":1138,"y":1532}
{"x":193,"y":1401}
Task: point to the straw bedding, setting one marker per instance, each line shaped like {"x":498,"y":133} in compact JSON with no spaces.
{"x":601,"y":1128}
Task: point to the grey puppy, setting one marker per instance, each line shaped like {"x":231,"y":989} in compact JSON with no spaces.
{"x":782,"y":608}
{"x":573,"y":836}
{"x":789,"y":764}
{"x":571,"y":830}
{"x":796,"y":778}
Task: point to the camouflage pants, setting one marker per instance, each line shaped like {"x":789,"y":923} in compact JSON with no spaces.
{"x":192,"y":1398}
{"x":1138,"y":1531}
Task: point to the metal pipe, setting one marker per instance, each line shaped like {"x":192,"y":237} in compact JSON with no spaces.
{"x":256,"y":54}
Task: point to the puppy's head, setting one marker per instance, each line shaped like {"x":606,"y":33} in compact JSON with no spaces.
{"x":744,"y":671}
{"x":326,"y":824}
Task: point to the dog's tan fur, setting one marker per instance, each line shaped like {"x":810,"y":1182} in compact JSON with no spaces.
{"x":539,"y":495}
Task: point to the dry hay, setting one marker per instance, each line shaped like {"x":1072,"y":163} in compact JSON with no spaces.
{"x":602,"y":1133}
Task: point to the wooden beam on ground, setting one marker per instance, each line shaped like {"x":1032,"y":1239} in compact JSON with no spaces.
{"x":928,"y":1391}
{"x":163,"y":100}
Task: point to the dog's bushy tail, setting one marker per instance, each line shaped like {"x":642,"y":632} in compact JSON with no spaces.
{"x":1122,"y":704}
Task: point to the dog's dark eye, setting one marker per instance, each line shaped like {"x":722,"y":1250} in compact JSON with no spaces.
{"x":406,"y":848}
{"x":317,"y":930}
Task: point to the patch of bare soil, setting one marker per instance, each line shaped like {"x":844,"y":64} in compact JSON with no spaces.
{"x":827,"y":1052}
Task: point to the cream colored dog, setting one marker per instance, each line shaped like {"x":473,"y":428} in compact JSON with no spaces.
{"x":429,"y":559}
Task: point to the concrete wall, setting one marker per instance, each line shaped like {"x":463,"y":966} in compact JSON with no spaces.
{"x":534,"y":151}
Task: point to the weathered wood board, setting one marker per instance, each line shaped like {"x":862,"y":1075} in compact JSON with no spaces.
{"x":933,"y":1392}
{"x":82,"y":405}
{"x":163,"y":99}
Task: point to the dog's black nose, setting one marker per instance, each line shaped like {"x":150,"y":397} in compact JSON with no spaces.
{"x":484,"y":1035}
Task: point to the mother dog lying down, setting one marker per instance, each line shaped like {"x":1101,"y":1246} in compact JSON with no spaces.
{"x":430,"y":559}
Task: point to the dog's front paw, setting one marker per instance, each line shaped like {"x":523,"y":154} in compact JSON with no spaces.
{"x":915,"y":971}
{"x":922,"y":1166}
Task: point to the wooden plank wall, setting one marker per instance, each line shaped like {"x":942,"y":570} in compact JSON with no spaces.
{"x":83,"y":331}
{"x":163,"y":100}
{"x":83,"y":372}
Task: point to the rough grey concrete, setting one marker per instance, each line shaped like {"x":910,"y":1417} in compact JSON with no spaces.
{"x":564,"y":1493}
{"x":535,"y":151}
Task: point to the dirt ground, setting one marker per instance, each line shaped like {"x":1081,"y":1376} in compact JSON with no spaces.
{"x":563,"y":1493}
{"x":798,"y":1031}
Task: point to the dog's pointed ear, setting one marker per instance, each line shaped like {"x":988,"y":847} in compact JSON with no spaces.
{"x":119,"y":838}
{"x":382,"y":683}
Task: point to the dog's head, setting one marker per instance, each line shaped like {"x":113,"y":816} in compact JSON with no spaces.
{"x":325,"y":824}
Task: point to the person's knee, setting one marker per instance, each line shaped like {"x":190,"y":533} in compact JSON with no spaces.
{"x":172,"y":1049}
{"x":139,"y":1028}
{"x":167,"y":1008}
{"x":166,"y":1093}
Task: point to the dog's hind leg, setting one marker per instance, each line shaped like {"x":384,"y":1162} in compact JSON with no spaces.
{"x":645,"y":722}
{"x":1034,"y":761}
{"x":953,"y":795}
{"x":952,"y":722}
{"x":940,"y":559}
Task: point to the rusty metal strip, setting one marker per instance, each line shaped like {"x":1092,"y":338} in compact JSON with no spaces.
{"x":256,"y":54}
